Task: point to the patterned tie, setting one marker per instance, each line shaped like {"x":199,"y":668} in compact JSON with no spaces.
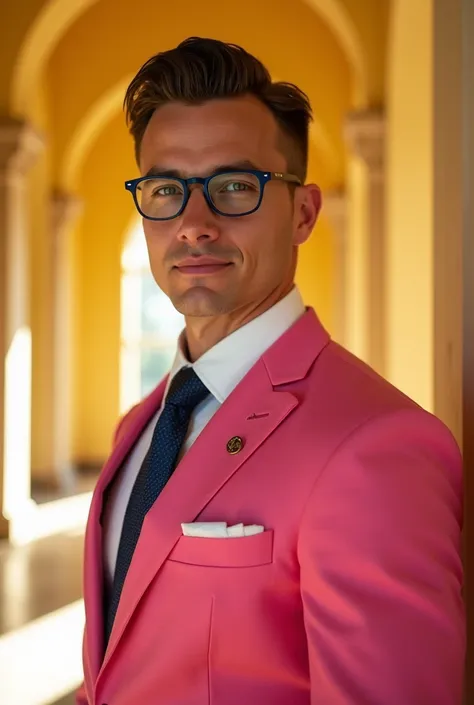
{"x":185,"y":393}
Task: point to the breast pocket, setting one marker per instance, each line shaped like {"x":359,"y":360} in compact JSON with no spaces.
{"x":240,"y":552}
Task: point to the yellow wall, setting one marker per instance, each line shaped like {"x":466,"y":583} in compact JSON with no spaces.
{"x":41,"y":296}
{"x":15,"y":20}
{"x":357,"y":252}
{"x":315,"y":273}
{"x":410,"y":202}
{"x":107,"y":213}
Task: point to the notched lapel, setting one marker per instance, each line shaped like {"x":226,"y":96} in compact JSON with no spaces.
{"x":252,"y":412}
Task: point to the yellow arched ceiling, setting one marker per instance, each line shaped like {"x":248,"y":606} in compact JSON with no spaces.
{"x":342,"y":25}
{"x":43,"y":29}
{"x":50,"y":30}
{"x":16,"y":21}
{"x":45,"y":21}
{"x":371,"y":20}
{"x":96,"y":54}
{"x":49,"y":21}
{"x":361,"y":28}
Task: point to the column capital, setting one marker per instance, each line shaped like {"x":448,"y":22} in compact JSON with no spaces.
{"x":20,"y":145}
{"x":365,"y":134}
{"x":65,"y":208}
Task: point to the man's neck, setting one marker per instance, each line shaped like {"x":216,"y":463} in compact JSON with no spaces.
{"x":202,"y":333}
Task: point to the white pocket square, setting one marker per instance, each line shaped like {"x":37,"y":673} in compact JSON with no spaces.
{"x":219,"y":529}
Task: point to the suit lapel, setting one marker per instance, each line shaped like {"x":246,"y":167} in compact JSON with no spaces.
{"x":93,"y":576}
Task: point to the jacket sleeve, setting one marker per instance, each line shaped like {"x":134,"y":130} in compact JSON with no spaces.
{"x":381,"y":571}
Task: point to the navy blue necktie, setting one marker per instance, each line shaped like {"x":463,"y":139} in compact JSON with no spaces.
{"x":185,"y":393}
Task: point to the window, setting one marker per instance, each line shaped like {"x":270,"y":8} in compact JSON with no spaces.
{"x":150,"y":325}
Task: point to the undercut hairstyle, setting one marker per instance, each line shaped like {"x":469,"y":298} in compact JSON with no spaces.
{"x":199,"y":70}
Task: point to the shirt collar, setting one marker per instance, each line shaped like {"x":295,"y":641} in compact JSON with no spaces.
{"x":223,"y":366}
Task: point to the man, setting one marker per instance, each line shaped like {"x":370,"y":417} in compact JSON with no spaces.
{"x":276,"y":523}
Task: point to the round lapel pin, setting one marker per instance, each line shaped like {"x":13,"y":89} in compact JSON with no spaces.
{"x":235,"y":445}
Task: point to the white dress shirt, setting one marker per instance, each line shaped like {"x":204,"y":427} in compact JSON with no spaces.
{"x":221,"y":369}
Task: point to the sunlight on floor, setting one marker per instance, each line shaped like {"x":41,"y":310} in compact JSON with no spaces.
{"x":41,"y":662}
{"x":62,"y":515}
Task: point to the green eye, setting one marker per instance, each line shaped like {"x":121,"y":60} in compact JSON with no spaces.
{"x":238,"y":186}
{"x":166,"y":191}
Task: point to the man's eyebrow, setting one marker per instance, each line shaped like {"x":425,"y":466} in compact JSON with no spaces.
{"x":236,"y":166}
{"x":160,"y":171}
{"x":243,"y":164}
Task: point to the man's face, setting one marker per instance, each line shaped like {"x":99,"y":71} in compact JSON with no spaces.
{"x":256,"y":252}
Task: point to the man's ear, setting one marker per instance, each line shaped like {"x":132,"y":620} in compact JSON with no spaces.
{"x":308,"y":202}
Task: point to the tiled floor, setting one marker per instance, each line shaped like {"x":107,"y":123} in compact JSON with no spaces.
{"x":41,"y":617}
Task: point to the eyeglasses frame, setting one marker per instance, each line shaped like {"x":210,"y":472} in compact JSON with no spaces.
{"x":263,"y":177}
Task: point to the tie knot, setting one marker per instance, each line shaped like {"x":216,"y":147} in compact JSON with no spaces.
{"x":186,"y":390}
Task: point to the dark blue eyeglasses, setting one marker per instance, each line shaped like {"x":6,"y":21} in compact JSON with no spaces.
{"x":229,"y":193}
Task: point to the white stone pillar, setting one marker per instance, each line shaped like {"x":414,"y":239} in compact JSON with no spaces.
{"x":365,"y":134}
{"x":19,"y":146}
{"x":65,"y":208}
{"x":335,"y":208}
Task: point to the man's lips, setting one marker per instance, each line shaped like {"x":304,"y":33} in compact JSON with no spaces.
{"x":201,"y":265}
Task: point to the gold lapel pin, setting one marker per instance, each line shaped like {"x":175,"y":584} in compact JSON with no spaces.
{"x":235,"y":445}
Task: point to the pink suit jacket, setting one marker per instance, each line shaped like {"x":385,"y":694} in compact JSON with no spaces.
{"x":351,"y":596}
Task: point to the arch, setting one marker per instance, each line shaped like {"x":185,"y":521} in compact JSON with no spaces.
{"x":92,"y":124}
{"x":335,"y":14}
{"x":110,"y":104}
{"x":57,"y":16}
{"x":51,"y":24}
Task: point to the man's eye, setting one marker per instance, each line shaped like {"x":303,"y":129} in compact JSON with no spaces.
{"x":166,"y":191}
{"x":236,"y":186}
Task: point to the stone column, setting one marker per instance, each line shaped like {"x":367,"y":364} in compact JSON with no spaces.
{"x":365,"y":134}
{"x":335,"y":208}
{"x":64,"y":211}
{"x":19,"y":146}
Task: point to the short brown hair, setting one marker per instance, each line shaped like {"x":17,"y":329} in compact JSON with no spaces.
{"x":198,"y":70}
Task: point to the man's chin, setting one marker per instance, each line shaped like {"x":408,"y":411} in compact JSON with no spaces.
{"x":200,"y":301}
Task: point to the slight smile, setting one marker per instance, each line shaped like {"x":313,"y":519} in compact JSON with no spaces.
{"x":196,"y":266}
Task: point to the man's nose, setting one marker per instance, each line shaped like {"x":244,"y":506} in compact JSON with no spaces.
{"x":198,"y":221}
